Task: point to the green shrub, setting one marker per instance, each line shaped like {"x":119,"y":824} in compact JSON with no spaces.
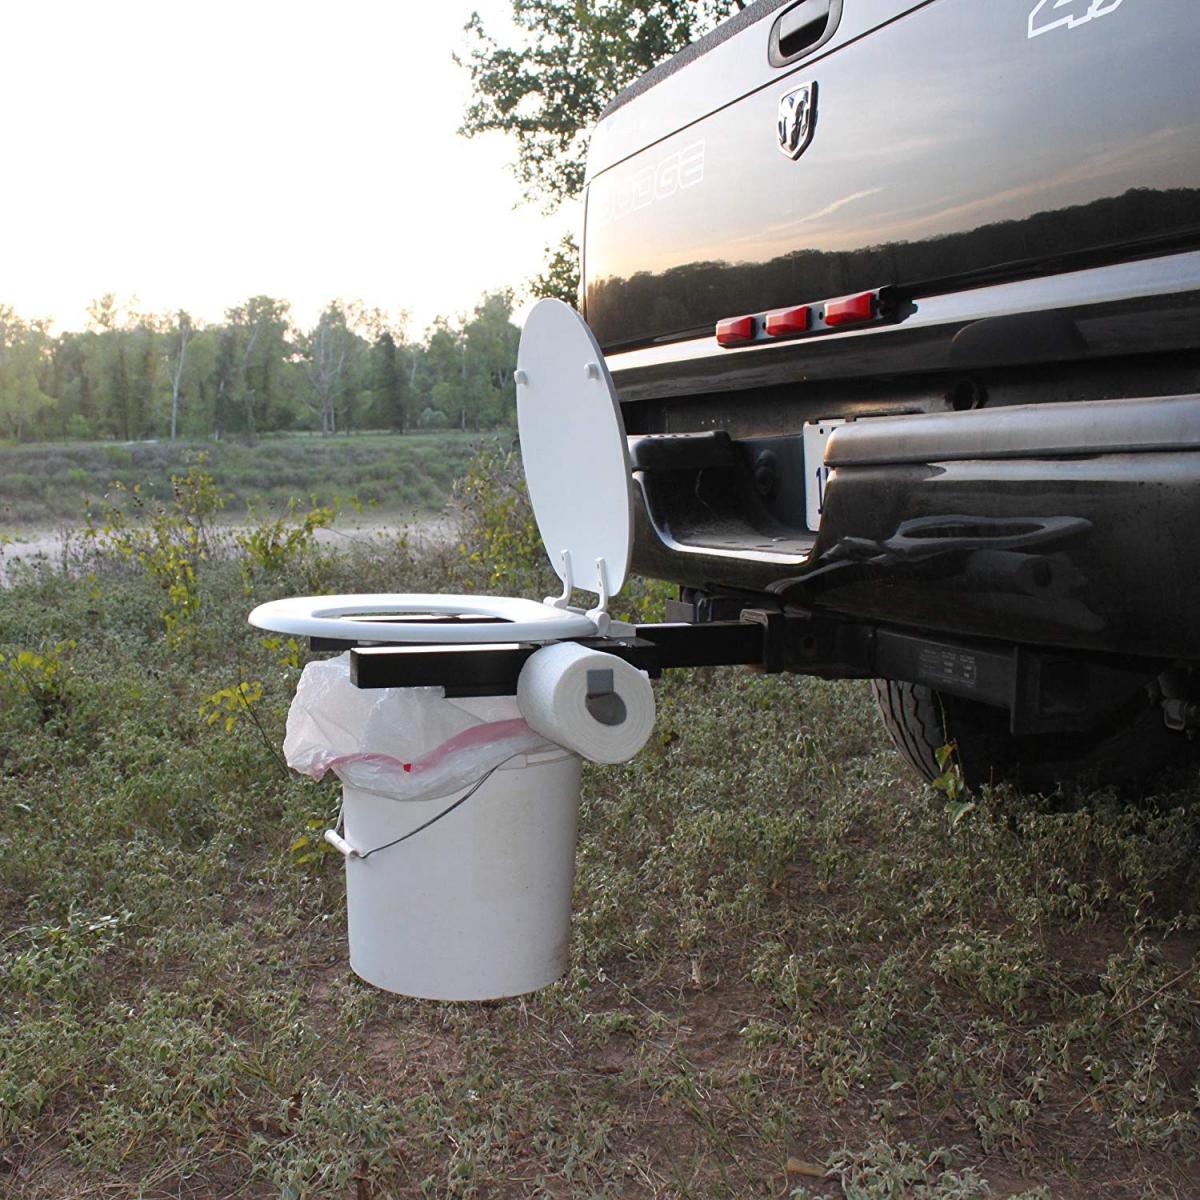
{"x":79,"y":427}
{"x":169,"y":542}
{"x":499,"y":532}
{"x":17,"y":484}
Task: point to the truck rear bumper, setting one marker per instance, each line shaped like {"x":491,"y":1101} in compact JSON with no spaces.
{"x":1073,"y":525}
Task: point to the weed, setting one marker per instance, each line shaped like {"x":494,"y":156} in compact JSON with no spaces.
{"x":38,"y":677}
{"x":500,"y":536}
{"x":169,"y":541}
{"x":272,"y":544}
{"x":230,"y":704}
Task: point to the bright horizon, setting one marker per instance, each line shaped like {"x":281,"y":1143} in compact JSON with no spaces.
{"x":194,"y":157}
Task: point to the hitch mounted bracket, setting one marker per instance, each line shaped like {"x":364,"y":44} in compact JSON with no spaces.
{"x":1044,"y":691}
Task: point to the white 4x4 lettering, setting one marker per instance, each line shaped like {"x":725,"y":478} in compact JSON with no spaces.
{"x":1050,"y":14}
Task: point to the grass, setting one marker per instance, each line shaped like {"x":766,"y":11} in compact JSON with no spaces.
{"x":793,"y":974}
{"x":44,"y":483}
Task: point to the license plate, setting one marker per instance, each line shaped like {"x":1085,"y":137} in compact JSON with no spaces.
{"x":816,"y":473}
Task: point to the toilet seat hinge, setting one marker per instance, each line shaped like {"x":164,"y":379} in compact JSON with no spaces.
{"x":563,"y":601}
{"x":605,"y":625}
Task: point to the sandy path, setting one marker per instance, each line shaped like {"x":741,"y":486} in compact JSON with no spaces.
{"x":44,"y":543}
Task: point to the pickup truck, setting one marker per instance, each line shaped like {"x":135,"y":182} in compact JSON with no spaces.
{"x":901,"y":299}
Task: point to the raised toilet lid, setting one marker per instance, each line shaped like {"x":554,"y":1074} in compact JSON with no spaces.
{"x":573,"y":447}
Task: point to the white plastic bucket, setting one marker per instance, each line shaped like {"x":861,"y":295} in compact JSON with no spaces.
{"x":478,"y":905}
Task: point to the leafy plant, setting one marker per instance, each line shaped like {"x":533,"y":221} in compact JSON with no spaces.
{"x":169,"y":542}
{"x":311,"y":847}
{"x":230,"y":704}
{"x":500,"y":539}
{"x":271,"y":546}
{"x":500,"y":536}
{"x":288,"y":651}
{"x":38,"y":676}
{"x":952,"y":784}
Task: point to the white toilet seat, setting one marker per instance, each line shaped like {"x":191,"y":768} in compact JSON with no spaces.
{"x":335,"y":617}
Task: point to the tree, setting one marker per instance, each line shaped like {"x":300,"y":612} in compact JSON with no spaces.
{"x":176,"y":360}
{"x":326,"y":350}
{"x":253,"y":365}
{"x":198,"y":417}
{"x":390,"y":382}
{"x":24,"y":360}
{"x":121,"y":404}
{"x":147,"y":364}
{"x":440,"y":375}
{"x":106,"y":365}
{"x":113,"y":366}
{"x":559,"y":279}
{"x":574,"y":58}
{"x":548,"y":91}
{"x":105,"y":313}
{"x":490,"y":356}
{"x":226,"y":381}
{"x":71,"y":388}
{"x":379,"y":368}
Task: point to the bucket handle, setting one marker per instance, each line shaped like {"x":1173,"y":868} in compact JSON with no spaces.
{"x":348,"y":851}
{"x":340,"y":844}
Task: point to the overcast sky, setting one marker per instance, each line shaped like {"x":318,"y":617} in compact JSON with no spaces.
{"x":193,"y":155}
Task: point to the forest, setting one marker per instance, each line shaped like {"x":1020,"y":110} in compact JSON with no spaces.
{"x":135,"y":375}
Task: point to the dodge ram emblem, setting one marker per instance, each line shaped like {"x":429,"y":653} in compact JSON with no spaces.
{"x":797,"y":117}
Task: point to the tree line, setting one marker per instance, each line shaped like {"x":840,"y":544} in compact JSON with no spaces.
{"x":133,"y":375}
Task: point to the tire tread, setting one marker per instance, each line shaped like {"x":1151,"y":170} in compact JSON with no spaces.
{"x":920,"y":721}
{"x":913,"y":720}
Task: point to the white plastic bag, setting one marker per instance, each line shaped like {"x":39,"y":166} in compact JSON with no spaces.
{"x":402,"y":743}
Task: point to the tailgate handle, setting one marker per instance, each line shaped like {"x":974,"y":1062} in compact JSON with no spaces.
{"x":803,"y":27}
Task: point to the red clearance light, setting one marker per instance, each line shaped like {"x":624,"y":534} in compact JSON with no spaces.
{"x":849,"y":309}
{"x":788,"y":320}
{"x":734,"y":331}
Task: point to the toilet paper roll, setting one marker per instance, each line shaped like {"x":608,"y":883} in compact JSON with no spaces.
{"x":593,"y":703}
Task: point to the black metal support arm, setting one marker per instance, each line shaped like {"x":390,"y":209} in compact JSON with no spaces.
{"x":1044,"y":691}
{"x":492,"y":669}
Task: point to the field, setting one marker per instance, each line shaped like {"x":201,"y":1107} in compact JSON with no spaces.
{"x":795,"y":971}
{"x":51,"y":482}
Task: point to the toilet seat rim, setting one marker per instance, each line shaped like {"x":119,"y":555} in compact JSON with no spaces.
{"x":524,"y":620}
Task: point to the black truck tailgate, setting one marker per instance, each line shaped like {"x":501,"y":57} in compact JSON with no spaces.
{"x":954,"y":142}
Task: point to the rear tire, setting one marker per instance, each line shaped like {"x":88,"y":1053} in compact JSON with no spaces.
{"x":1128,"y":748}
